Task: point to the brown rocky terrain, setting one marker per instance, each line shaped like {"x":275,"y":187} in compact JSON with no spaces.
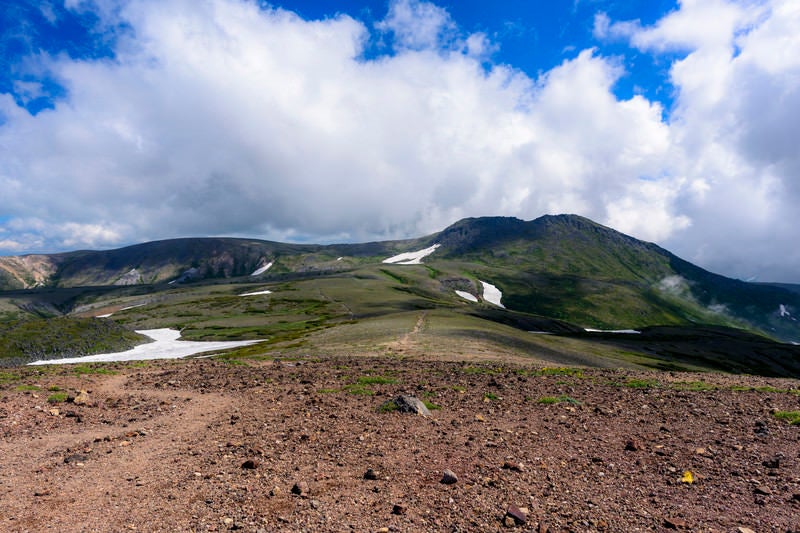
{"x":302,"y":445}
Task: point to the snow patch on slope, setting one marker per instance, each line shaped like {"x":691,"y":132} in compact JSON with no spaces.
{"x":467,"y":296}
{"x":167,"y":345}
{"x":492,"y":294}
{"x":262,"y":269}
{"x":411,"y":258}
{"x":624,"y":331}
{"x":256,"y":293}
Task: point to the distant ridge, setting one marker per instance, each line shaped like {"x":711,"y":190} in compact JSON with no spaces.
{"x":564,"y":267}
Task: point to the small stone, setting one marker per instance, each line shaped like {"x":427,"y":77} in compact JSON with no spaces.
{"x":75,"y":458}
{"x":399,"y":508}
{"x":543,"y":528}
{"x":509,"y":522}
{"x":764,"y":491}
{"x":383,"y":530}
{"x":44,"y":492}
{"x":300,"y":488}
{"x":675,"y":523}
{"x":449,"y":478}
{"x":82,"y":398}
{"x":518,"y":515}
{"x":125,"y":443}
{"x":54,"y":412}
{"x":745,"y":530}
{"x":775,"y":462}
{"x":275,"y":491}
{"x":250,"y":464}
{"x":632,"y":445}
{"x":314,"y":504}
{"x":227,"y":521}
{"x":371,"y":474}
{"x":514,"y":467}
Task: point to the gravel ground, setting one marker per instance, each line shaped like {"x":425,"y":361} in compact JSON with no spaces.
{"x":204,"y":445}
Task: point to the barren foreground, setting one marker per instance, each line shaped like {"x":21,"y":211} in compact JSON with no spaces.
{"x":302,"y":446}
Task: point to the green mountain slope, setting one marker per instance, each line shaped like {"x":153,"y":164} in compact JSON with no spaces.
{"x":562,"y":268}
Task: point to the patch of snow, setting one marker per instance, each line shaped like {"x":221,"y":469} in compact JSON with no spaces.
{"x":626,"y":331}
{"x":467,"y":296}
{"x":492,"y":294}
{"x":262,"y":269}
{"x":121,"y":309}
{"x":256,"y":293}
{"x":339,"y":258}
{"x":167,"y":345}
{"x":412,"y":258}
{"x":784,"y":311}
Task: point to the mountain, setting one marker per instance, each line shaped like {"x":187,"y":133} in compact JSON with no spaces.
{"x":564,"y":268}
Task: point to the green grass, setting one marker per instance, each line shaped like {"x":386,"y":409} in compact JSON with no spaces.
{"x":491,"y":396}
{"x":641,"y":383}
{"x":328,"y":391}
{"x":358,"y":390}
{"x":696,"y":386}
{"x":27,"y":340}
{"x":793,"y":417}
{"x":57,"y":397}
{"x":376,"y":380}
{"x":547,"y":400}
{"x":54,"y":388}
{"x":431,"y":406}
{"x":8,"y":377}
{"x":28,"y":388}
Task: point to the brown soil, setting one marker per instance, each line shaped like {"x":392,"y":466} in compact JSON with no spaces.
{"x":203,"y":445}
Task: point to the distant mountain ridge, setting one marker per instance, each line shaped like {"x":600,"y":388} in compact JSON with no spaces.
{"x":564,"y":267}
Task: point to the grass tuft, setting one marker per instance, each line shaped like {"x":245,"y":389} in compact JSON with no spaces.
{"x":793,"y":417}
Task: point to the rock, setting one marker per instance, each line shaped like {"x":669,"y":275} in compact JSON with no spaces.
{"x":75,"y":458}
{"x":764,"y":491}
{"x":518,"y":515}
{"x":408,"y":404}
{"x":82,"y":398}
{"x":675,"y":523}
{"x":300,"y":488}
{"x":632,"y":445}
{"x":514,"y":467}
{"x":449,"y":478}
{"x":745,"y":530}
{"x":774,"y":462}
{"x":371,"y":474}
{"x":250,"y":464}
{"x":43,"y":492}
{"x":509,"y":522}
{"x":54,"y":412}
{"x":399,"y":508}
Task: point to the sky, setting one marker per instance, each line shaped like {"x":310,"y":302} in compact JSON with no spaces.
{"x":676,"y":122}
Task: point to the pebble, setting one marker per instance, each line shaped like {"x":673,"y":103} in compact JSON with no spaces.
{"x":675,"y":523}
{"x":399,"y":508}
{"x":300,"y":488}
{"x":449,"y":477}
{"x":250,"y":464}
{"x":518,"y":515}
{"x":371,"y":474}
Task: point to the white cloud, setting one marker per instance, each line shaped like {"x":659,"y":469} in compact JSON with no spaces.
{"x":221,"y":117}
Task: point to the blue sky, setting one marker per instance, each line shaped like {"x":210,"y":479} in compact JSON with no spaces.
{"x":130,"y":120}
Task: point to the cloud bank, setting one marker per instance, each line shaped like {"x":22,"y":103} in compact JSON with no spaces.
{"x":225,"y":117}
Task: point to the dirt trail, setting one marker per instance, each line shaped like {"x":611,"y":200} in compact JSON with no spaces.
{"x":118,"y":462}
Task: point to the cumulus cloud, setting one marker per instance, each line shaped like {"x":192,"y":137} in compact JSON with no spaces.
{"x":226,"y":117}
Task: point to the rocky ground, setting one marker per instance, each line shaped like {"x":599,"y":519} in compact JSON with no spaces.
{"x":204,"y":445}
